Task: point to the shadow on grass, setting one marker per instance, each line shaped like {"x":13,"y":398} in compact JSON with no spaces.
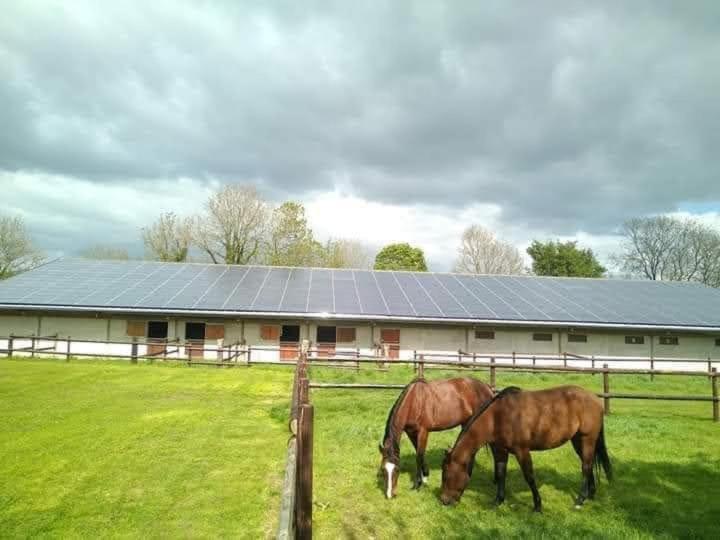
{"x":665,"y":499}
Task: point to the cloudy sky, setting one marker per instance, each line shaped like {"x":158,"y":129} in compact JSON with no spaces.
{"x":391,"y":121}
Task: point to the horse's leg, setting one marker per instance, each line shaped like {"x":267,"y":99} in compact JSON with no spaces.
{"x":423,"y":471}
{"x":413,"y":436}
{"x":585,"y":447}
{"x":525,"y":461}
{"x":500,"y":455}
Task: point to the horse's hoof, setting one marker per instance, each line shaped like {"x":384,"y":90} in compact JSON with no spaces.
{"x":499,"y":502}
{"x":537,"y":510}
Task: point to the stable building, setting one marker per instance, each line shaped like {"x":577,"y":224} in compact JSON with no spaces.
{"x":100,"y":306}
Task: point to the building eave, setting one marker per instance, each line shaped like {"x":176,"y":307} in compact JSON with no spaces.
{"x":369,"y":318}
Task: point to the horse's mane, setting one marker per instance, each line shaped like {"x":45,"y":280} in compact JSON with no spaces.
{"x":484,"y":407}
{"x":389,"y":430}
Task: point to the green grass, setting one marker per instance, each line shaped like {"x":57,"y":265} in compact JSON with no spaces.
{"x":110,"y":449}
{"x":95,"y":448}
{"x":666,"y":458}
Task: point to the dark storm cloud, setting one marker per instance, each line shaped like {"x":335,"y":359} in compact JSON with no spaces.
{"x":570,"y":116}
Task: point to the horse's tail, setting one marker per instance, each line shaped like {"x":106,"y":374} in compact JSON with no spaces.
{"x":601,"y":458}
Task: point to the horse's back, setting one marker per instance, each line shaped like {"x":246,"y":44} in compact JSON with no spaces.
{"x":561,"y":411}
{"x":451,"y":402}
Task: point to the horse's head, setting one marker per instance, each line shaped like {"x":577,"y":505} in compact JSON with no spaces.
{"x":455,"y":477}
{"x":389,"y":469}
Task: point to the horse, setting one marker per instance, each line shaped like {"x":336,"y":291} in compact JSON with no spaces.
{"x":516,"y":422}
{"x":421,"y":407}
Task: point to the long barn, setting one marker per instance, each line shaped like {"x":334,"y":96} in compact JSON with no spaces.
{"x":374,"y":312}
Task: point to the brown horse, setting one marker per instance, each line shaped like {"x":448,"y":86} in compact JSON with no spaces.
{"x":421,"y":407}
{"x":517,"y":422}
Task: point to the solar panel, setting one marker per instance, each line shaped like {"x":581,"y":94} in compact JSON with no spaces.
{"x":295,"y":299}
{"x":369,"y":293}
{"x":208,"y":287}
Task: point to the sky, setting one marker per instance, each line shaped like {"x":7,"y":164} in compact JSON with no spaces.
{"x":390,"y":121}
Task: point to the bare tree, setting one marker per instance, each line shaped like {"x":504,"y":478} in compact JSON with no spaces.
{"x":233,"y":227}
{"x":101,"y":252}
{"x":343,"y":253}
{"x":17,"y":253}
{"x":482,"y":253}
{"x":168,"y":239}
{"x":673,"y":249}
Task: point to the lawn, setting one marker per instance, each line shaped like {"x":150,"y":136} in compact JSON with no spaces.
{"x":106,"y":448}
{"x":666,"y":458}
{"x":95,"y":448}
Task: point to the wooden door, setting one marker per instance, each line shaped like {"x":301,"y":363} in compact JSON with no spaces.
{"x":325,"y":350}
{"x":289,"y":350}
{"x":391,"y":337}
{"x":156,"y":347}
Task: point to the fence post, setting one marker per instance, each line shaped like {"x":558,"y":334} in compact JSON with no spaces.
{"x":513,"y":356}
{"x":32,"y":347}
{"x":303,"y":509}
{"x":10,"y":346}
{"x":134,"y":351}
{"x":492,"y":372}
{"x":716,"y":404}
{"x":709,"y":367}
{"x":533,"y":359}
{"x":421,"y":367}
{"x":474,"y":358}
{"x":606,"y":388}
{"x":357,"y":356}
{"x":249,"y":353}
{"x":564,"y":359}
{"x":652,"y":367}
{"x":67,"y":352}
{"x":592,"y":364}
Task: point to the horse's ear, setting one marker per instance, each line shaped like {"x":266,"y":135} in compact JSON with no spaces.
{"x":380,"y":447}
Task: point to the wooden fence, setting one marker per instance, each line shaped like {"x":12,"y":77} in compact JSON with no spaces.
{"x":422,"y":363}
{"x":296,"y":504}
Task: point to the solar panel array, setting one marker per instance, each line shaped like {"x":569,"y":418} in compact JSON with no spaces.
{"x":139,"y":285}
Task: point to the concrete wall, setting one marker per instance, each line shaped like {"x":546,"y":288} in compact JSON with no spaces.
{"x":413,"y":338}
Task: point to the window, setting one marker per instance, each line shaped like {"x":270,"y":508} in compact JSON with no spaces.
{"x":634,"y":340}
{"x":542,"y":337}
{"x":668,"y":340}
{"x":136,"y":328}
{"x":326,"y":334}
{"x":345,"y":335}
{"x":269,"y":332}
{"x":484,"y":334}
{"x":195,"y":330}
{"x":290,"y":333}
{"x":577,"y":338}
{"x":717,"y":342}
{"x":157,"y":329}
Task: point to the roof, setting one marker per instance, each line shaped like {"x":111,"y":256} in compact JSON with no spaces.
{"x":259,"y":291}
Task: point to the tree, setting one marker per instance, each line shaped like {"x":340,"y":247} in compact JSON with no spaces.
{"x":669,"y":248}
{"x":400,"y":257}
{"x":168,"y":239}
{"x":563,"y":259}
{"x":291,"y":240}
{"x":233,"y":227}
{"x":482,"y":253}
{"x":101,"y":252}
{"x":17,"y":253}
{"x":343,"y":253}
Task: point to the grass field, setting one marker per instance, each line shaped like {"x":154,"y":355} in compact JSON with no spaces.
{"x":110,"y":449}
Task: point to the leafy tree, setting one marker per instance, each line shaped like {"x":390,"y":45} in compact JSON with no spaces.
{"x":291,"y":240}
{"x":482,"y":253}
{"x":233,"y":228}
{"x":563,"y":259}
{"x":101,"y":252}
{"x":400,"y":257}
{"x":168,"y":239}
{"x":17,"y":253}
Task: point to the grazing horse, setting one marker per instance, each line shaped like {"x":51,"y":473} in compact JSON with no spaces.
{"x":421,"y":407}
{"x":517,"y":422}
